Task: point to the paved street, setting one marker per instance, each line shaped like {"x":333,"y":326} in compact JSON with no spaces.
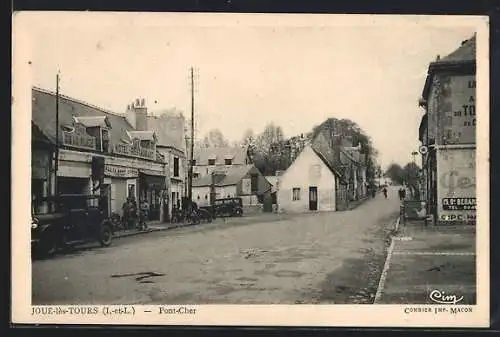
{"x":308,"y":258}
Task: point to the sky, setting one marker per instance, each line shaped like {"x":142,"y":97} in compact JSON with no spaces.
{"x":294,"y":71}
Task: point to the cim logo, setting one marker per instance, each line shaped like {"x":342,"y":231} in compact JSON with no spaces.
{"x":442,"y":298}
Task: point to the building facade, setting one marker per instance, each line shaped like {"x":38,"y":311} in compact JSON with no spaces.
{"x":92,"y":140}
{"x":447,"y":133}
{"x":309,"y":184}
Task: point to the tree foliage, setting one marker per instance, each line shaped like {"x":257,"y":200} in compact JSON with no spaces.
{"x":214,"y":138}
{"x":407,"y":175}
{"x":347,"y":127}
{"x":269,"y":149}
{"x":396,"y":173}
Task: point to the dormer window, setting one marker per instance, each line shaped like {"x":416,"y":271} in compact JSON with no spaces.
{"x":228,"y":161}
{"x":211,"y":162}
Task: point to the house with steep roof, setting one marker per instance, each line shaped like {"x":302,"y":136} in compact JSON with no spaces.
{"x":244,"y":181}
{"x":208,"y":159}
{"x":447,"y":133}
{"x":326,"y":175}
{"x":100,"y":152}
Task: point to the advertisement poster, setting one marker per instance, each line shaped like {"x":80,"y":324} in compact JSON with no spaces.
{"x":459,"y":110}
{"x":457,"y":184}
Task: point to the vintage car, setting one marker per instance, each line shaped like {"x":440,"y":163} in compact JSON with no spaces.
{"x":228,"y":207}
{"x":67,"y":220}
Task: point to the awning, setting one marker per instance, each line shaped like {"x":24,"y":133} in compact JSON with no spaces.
{"x":156,"y":182}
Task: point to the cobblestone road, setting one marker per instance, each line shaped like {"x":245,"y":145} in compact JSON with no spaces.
{"x":314,"y":258}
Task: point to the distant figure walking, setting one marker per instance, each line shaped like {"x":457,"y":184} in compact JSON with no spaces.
{"x":402,"y":193}
{"x":385,"y":192}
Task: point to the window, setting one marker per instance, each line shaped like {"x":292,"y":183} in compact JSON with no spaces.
{"x":211,"y":162}
{"x":176,"y":166}
{"x":196,"y":175}
{"x":254,"y":183}
{"x":193,"y":163}
{"x":295,"y":194}
{"x":105,"y":140}
{"x":228,"y":161}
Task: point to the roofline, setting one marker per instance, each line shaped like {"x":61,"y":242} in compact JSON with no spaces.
{"x":334,"y":171}
{"x":171,"y":147}
{"x":75,"y":100}
{"x":464,"y":67}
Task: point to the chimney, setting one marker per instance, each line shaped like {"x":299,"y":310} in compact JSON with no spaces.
{"x":140,"y":111}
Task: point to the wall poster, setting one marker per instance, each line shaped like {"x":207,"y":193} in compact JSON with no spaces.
{"x":456,"y":184}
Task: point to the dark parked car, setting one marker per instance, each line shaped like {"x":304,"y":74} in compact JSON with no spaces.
{"x":67,"y":220}
{"x":228,"y":207}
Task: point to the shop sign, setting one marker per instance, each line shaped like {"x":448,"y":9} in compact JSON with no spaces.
{"x":120,"y":171}
{"x":456,"y":184}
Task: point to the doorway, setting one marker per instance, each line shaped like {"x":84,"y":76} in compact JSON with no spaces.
{"x":313,"y":198}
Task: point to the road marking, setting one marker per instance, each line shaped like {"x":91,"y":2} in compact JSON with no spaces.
{"x":383,"y":276}
{"x":436,"y":253}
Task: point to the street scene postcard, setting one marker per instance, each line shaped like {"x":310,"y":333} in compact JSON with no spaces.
{"x":250,"y":169}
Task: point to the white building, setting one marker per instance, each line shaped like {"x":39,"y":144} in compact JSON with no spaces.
{"x":309,"y":184}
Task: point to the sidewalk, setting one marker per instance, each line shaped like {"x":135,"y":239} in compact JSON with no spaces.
{"x":424,"y":259}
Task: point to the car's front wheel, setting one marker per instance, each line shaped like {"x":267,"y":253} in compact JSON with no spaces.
{"x":106,"y":235}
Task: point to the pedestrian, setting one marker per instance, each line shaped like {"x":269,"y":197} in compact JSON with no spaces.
{"x":385,"y":192}
{"x":404,"y":193}
{"x":133,"y":212}
{"x":143,"y":214}
{"x":126,"y":213}
{"x":400,"y":194}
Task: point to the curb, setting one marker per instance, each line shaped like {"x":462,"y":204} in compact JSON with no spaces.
{"x":385,"y":270}
{"x":150,"y":230}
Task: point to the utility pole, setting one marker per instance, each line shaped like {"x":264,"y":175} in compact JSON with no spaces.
{"x":190,"y":174}
{"x":56,"y":164}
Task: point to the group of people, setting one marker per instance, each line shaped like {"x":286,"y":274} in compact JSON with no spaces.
{"x":134,"y":216}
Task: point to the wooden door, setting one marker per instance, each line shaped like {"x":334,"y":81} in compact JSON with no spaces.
{"x":313,"y":198}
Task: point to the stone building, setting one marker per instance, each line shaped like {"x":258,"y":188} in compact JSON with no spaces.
{"x":447,"y":133}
